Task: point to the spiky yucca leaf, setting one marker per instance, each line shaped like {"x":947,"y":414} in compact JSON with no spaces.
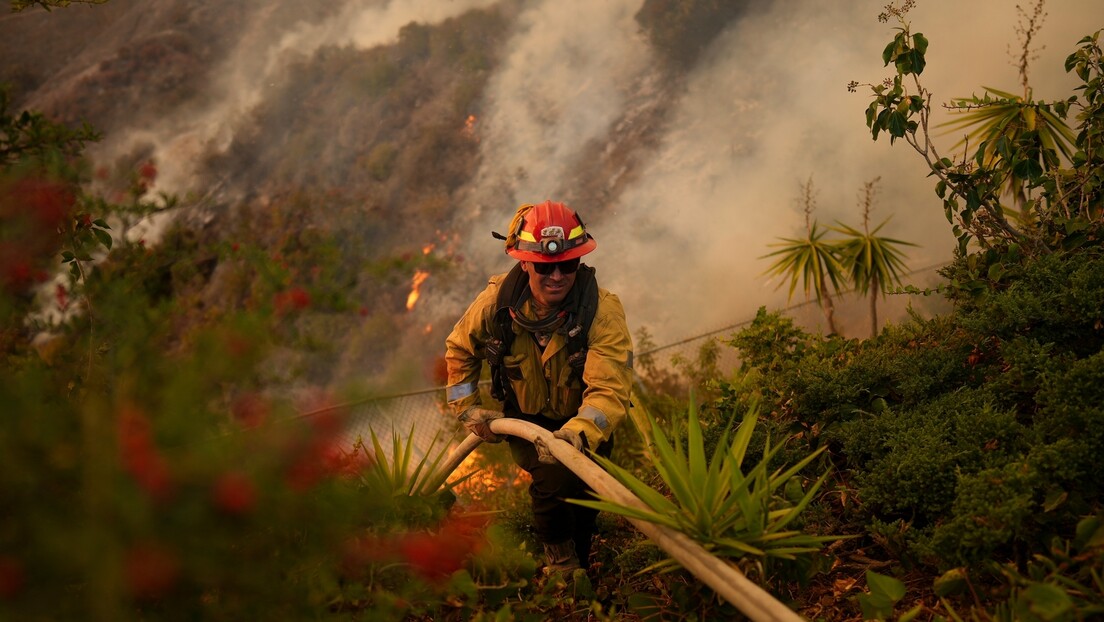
{"x":394,"y":476}
{"x":729,"y":512}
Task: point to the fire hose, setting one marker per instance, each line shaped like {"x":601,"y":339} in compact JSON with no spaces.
{"x":724,"y":578}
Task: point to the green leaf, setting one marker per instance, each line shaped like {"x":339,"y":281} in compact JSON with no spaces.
{"x":630,"y":512}
{"x":883,"y":585}
{"x":950,"y":583}
{"x":1090,"y":533}
{"x":103,"y":237}
{"x":898,"y":123}
{"x":1049,"y":602}
{"x":911,"y":614}
{"x":889,"y":51}
{"x":920,"y":43}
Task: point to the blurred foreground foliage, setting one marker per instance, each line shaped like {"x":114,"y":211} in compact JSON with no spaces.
{"x":145,"y":471}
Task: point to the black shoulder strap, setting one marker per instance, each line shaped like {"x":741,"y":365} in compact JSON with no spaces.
{"x":511,"y":293}
{"x":587,"y":301}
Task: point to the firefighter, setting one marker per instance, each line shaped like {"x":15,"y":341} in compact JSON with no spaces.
{"x":560,"y":356}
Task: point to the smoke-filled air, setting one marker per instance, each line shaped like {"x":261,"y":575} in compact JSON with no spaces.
{"x":685,"y":172}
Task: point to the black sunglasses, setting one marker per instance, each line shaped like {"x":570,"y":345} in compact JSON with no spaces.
{"x":566,"y":267}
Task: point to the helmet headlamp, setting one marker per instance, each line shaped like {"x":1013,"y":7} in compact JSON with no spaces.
{"x":552,"y":240}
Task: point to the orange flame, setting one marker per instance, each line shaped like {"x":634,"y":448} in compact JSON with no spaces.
{"x":485,"y":479}
{"x":428,"y":248}
{"x":419,"y":277}
{"x":469,"y":127}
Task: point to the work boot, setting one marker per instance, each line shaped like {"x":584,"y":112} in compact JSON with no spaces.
{"x":561,"y":557}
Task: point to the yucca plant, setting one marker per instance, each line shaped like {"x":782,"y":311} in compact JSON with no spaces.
{"x":731,"y":513}
{"x":396,"y":474}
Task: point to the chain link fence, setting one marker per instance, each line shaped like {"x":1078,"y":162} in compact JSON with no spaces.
{"x":425,"y":415}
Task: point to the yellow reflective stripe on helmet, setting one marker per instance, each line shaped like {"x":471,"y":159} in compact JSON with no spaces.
{"x":576,"y":232}
{"x":525,"y":236}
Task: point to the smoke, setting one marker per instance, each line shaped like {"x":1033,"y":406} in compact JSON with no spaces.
{"x":765,"y":110}
{"x":563,"y":84}
{"x":181,"y":141}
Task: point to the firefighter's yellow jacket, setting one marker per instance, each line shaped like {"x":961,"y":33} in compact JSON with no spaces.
{"x":542,"y":381}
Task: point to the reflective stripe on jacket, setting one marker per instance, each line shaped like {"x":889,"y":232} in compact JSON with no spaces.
{"x":542,"y":381}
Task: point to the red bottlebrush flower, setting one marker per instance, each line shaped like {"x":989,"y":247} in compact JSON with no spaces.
{"x":234,"y":493}
{"x":12,"y":577}
{"x":304,"y":473}
{"x":139,"y":454}
{"x":49,"y":201}
{"x":436,"y":556}
{"x":135,"y":434}
{"x":62,"y":296}
{"x":430,"y":557}
{"x":345,"y":462}
{"x":150,"y":570}
{"x":17,"y":274}
{"x":249,"y":409}
{"x":148,"y":171}
{"x":358,"y":553}
{"x":294,"y":299}
{"x":153,"y":476}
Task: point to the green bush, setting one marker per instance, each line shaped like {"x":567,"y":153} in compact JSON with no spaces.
{"x":910,"y":461}
{"x":976,"y":434}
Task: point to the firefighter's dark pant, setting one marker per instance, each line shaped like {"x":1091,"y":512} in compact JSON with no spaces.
{"x":555,"y":520}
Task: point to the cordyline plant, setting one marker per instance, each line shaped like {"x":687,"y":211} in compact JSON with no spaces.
{"x":732,"y":513}
{"x":870,"y":261}
{"x":812,"y":260}
{"x":864,"y":259}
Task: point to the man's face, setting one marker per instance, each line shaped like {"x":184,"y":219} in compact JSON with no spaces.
{"x":548,"y":289}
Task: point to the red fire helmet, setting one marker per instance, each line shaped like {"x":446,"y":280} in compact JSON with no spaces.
{"x":548,"y":232}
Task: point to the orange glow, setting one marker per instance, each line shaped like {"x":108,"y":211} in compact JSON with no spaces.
{"x":486,"y":480}
{"x":419,"y":277}
{"x":428,"y":248}
{"x":469,"y":127}
{"x":428,"y":329}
